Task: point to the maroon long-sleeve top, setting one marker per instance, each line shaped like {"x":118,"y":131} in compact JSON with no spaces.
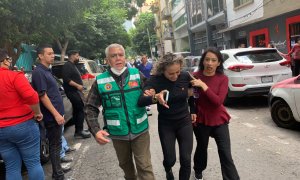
{"x":210,"y":108}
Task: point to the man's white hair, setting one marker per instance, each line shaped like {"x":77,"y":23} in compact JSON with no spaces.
{"x":114,"y":46}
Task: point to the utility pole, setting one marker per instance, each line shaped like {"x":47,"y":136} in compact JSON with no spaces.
{"x":150,"y":44}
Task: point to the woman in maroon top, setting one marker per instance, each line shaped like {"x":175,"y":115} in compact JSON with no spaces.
{"x":212,"y":118}
{"x":295,"y":51}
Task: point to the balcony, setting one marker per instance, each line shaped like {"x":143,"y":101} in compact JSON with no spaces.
{"x":167,"y":32}
{"x":166,"y":13}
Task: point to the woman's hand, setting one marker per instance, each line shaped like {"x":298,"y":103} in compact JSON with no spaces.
{"x":150,"y":92}
{"x":199,"y":83}
{"x":194,"y":118}
{"x":160,"y":98}
{"x":38,"y":116}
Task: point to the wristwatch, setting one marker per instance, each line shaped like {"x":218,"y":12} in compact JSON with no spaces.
{"x":154,"y":99}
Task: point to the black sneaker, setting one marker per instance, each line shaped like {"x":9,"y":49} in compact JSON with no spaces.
{"x":198,"y":176}
{"x":170,"y":175}
{"x":82,"y":135}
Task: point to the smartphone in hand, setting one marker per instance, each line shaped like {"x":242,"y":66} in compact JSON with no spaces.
{"x":166,"y":95}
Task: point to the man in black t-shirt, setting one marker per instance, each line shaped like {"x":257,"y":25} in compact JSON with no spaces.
{"x":73,"y":86}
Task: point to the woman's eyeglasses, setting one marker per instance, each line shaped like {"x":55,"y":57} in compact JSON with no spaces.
{"x":9,"y":59}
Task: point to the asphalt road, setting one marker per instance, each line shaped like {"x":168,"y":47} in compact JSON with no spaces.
{"x":260,"y":149}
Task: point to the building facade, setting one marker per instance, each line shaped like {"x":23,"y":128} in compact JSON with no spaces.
{"x":257,"y":23}
{"x":206,"y":18}
{"x":179,"y":21}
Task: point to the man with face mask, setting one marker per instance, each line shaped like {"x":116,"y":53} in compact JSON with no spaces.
{"x":73,"y":86}
{"x":117,"y":91}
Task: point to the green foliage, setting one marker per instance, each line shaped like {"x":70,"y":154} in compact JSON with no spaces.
{"x":140,"y":3}
{"x":140,"y":36}
{"x":87,"y":25}
{"x":101,"y":26}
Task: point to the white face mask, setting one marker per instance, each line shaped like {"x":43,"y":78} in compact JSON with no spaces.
{"x":118,"y":72}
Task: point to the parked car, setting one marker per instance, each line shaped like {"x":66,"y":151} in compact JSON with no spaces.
{"x":252,"y":71}
{"x":284,"y":102}
{"x":191,"y":63}
{"x":85,"y":66}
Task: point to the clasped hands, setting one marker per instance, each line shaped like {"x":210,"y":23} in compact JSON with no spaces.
{"x":159,"y":97}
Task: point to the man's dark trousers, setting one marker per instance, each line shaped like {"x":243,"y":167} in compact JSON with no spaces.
{"x":54,"y":132}
{"x":76,"y":99}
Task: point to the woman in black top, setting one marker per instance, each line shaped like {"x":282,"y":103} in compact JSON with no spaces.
{"x":174,"y":118}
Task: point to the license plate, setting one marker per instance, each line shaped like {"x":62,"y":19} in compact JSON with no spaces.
{"x":267,"y":79}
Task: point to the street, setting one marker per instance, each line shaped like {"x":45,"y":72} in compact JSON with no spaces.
{"x":260,"y":149}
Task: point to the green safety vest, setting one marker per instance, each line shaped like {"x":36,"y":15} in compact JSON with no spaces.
{"x":121,"y":112}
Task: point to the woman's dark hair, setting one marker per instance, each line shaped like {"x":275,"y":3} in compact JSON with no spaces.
{"x":3,"y":54}
{"x":219,"y":56}
{"x":165,"y":61}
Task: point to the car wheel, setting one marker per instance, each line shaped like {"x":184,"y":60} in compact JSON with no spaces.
{"x":282,"y":115}
{"x":45,"y":156}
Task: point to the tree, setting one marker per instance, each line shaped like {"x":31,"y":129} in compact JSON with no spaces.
{"x":59,"y":19}
{"x":140,"y":36}
{"x":101,"y":26}
{"x":19,"y":23}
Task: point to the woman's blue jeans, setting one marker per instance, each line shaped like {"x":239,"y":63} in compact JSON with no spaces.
{"x":21,"y":142}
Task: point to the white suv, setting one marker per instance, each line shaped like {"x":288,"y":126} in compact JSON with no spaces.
{"x":252,"y":71}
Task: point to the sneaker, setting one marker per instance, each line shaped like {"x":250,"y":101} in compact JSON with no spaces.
{"x":71,"y":149}
{"x":170,"y":175}
{"x":148,"y":108}
{"x":66,"y":169}
{"x":82,"y":135}
{"x":149,"y":113}
{"x":66,"y":159}
{"x":198,"y":176}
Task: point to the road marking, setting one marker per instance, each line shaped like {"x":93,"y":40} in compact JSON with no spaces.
{"x":278,"y":140}
{"x":249,"y":125}
{"x":79,"y":162}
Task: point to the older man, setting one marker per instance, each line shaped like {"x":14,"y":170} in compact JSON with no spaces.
{"x":118,"y":90}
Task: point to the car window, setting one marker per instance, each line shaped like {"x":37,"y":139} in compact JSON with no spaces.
{"x":225,"y":56}
{"x":94,"y":67}
{"x":258,"y":56}
{"x":81,"y":68}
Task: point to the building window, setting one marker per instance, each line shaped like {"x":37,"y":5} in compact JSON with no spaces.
{"x":259,"y":38}
{"x":214,"y":7}
{"x":195,"y":11}
{"x":238,"y":3}
{"x":180,"y":21}
{"x":175,"y":3}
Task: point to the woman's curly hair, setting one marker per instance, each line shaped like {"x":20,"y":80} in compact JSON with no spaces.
{"x":165,"y":61}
